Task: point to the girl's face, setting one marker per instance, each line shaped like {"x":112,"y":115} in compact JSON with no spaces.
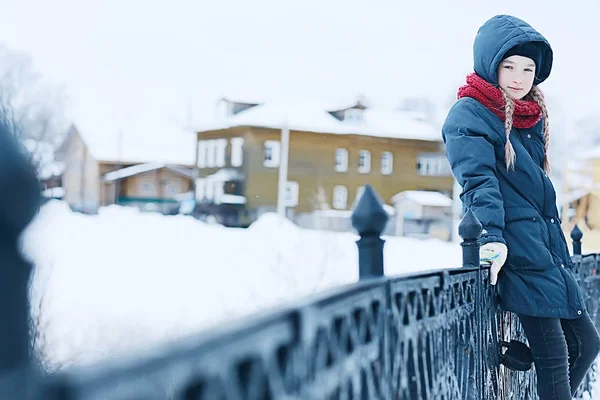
{"x":516,"y":75}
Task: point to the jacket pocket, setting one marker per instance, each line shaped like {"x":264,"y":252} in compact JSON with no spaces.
{"x":527,"y":239}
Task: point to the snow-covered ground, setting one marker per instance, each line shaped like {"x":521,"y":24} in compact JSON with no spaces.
{"x":123,"y":280}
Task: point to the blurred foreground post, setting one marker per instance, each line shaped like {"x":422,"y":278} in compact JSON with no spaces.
{"x":19,"y":202}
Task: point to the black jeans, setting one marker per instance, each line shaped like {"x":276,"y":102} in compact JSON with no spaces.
{"x":563,"y":352}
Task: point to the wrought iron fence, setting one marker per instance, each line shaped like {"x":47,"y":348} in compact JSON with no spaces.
{"x":432,"y":335}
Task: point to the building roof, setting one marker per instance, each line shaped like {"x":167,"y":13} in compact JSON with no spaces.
{"x":303,"y":117}
{"x":591,"y":154}
{"x":142,"y":168}
{"x":143,"y":141}
{"x":423,"y":198}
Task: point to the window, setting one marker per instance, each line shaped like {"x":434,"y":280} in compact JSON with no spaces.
{"x":340,"y":197}
{"x":364,"y":161}
{"x":220,"y":147}
{"x":202,"y":154}
{"x":433,"y":165}
{"x":291,"y":194}
{"x":353,"y":115}
{"x":387,"y":163}
{"x":173,"y":187}
{"x":217,"y":191}
{"x":211,"y":153}
{"x":200,"y":189}
{"x":359,"y":193}
{"x":237,"y":152}
{"x":209,"y":190}
{"x":271,"y":154}
{"x":147,"y":188}
{"x":233,"y":187}
{"x":341,"y":160}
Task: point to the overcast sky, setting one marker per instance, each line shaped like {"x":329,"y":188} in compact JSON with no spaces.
{"x":127,"y":58}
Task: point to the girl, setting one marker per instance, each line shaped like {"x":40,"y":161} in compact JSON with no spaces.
{"x":496,"y":138}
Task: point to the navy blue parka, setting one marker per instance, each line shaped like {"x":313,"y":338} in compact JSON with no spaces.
{"x":516,"y":207}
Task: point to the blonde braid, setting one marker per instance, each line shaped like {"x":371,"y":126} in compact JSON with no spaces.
{"x":538,"y":96}
{"x":509,"y":152}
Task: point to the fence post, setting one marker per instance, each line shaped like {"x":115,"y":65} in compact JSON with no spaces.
{"x":18,"y":205}
{"x":470,"y":230}
{"x":369,"y":219}
{"x":576,"y":235}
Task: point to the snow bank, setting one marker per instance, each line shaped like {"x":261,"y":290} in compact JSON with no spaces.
{"x":123,"y":280}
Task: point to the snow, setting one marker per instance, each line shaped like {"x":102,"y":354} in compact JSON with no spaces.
{"x":307,"y":117}
{"x":423,"y":198}
{"x":591,"y":154}
{"x":575,"y":195}
{"x":131,"y":171}
{"x":129,"y":280}
{"x":232,"y":199}
{"x":141,"y":140}
{"x":225,"y":174}
{"x":55,"y":192}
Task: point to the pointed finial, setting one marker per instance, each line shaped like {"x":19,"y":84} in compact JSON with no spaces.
{"x":470,"y":228}
{"x":369,"y":217}
{"x":576,"y":233}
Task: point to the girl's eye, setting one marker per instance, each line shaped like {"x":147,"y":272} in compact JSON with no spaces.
{"x":508,"y":67}
{"x":528,"y":70}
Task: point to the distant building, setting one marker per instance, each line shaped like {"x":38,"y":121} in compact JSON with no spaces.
{"x":423,"y":213}
{"x":333,"y":153}
{"x":146,"y":167}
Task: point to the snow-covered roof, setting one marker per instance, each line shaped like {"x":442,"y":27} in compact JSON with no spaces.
{"x":224,"y":175}
{"x":303,"y":117}
{"x":55,"y":192}
{"x":232,"y":199}
{"x":47,"y":171}
{"x":591,"y":154}
{"x":131,"y":171}
{"x":141,"y":141}
{"x":423,"y":198}
{"x":575,"y":195}
{"x":140,"y":169}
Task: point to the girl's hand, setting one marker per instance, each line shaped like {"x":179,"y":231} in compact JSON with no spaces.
{"x":493,"y":253}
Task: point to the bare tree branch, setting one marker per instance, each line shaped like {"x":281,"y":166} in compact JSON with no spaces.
{"x":32,"y":109}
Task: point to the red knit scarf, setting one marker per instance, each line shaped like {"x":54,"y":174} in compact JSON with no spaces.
{"x":527,"y":112}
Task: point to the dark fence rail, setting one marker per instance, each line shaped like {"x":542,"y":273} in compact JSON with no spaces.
{"x":432,"y":335}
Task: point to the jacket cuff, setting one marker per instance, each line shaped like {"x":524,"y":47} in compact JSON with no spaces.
{"x":489,"y":235}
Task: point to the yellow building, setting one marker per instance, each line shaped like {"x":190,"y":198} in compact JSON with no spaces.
{"x":332,"y":154}
{"x":581,"y":198}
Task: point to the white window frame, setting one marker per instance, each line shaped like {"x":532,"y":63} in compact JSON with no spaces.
{"x":292,"y":190}
{"x":433,"y":165}
{"x":275,"y":148}
{"x":359,"y":192}
{"x":237,"y":152}
{"x":209,"y":190}
{"x":366,"y":168}
{"x":211,"y":156}
{"x":353,"y":115}
{"x":220,"y":152}
{"x":173,"y":187}
{"x":340,"y":197}
{"x":200,"y":189}
{"x":149,"y":185}
{"x":218,"y":191}
{"x":387,"y":167}
{"x":341,"y":160}
{"x":201,"y":154}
